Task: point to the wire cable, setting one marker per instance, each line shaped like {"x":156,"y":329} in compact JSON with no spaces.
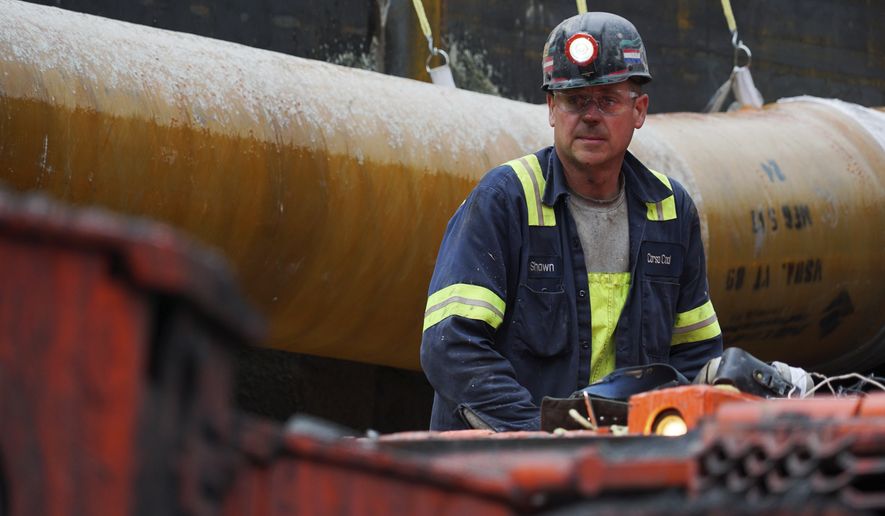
{"x":863,"y":380}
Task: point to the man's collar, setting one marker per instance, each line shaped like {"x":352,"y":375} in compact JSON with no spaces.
{"x":556,"y":185}
{"x":638,"y":179}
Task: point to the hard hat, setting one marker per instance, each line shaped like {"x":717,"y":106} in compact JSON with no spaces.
{"x":592,"y":49}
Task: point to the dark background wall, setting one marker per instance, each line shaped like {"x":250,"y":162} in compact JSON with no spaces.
{"x":825,"y":48}
{"x":828,"y":48}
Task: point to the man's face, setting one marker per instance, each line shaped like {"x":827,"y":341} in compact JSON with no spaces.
{"x":584,"y":135}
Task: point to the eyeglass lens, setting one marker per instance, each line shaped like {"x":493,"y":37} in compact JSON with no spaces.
{"x":607,"y":103}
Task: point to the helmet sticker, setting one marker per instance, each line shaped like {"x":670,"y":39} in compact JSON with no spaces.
{"x":632,"y":49}
{"x":632,"y":55}
{"x":582,"y":49}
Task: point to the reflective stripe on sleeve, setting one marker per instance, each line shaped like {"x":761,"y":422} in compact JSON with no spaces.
{"x":470,"y":301}
{"x":696,"y":325}
{"x":528,"y":170}
{"x":664,"y":209}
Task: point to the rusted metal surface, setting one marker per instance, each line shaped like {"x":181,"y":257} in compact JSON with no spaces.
{"x":795,"y":449}
{"x":518,"y":474}
{"x":789,"y":459}
{"x":329,"y":188}
{"x":114,"y":392}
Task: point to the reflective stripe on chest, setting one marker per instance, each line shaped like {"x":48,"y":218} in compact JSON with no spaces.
{"x":665,"y":209}
{"x":528,"y":170}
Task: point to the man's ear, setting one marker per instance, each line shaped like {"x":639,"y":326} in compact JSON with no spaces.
{"x":640,"y":109}
{"x":550,"y":109}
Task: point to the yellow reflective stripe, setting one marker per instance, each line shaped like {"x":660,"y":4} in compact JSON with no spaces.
{"x":664,"y":209}
{"x":662,"y":178}
{"x":695,"y":315}
{"x":608,"y":294}
{"x":696,"y":325}
{"x":470,"y":301}
{"x":528,"y":170}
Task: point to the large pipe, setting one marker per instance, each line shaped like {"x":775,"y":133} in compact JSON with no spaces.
{"x":792,"y":201}
{"x":329,"y":188}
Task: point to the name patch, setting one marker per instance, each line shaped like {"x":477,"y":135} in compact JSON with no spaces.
{"x":661,"y":259}
{"x":545,"y":267}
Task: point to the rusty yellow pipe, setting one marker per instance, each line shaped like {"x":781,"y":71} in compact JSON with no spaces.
{"x":792,"y":206}
{"x":329,"y":188}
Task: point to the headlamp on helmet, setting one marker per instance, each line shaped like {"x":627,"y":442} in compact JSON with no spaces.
{"x":581,"y":49}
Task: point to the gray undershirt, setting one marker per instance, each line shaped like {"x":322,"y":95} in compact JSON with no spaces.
{"x":604,"y":231}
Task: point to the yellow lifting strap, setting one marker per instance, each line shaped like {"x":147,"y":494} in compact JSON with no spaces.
{"x":440,"y":75}
{"x":422,"y":19}
{"x":738,"y":45}
{"x":729,"y":16}
{"x":582,"y":6}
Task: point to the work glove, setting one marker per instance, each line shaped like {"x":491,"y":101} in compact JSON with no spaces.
{"x":748,"y":374}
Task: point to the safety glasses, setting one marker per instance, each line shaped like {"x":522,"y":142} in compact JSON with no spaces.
{"x":611,"y":103}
